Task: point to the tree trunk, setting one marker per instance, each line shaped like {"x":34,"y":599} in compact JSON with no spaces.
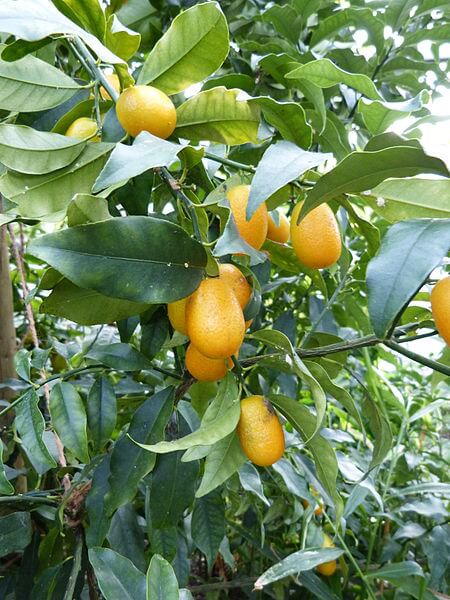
{"x":7,"y":330}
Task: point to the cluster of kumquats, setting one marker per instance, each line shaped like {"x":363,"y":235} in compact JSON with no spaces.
{"x":213,"y":316}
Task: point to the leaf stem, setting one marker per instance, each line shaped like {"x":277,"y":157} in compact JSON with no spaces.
{"x":230,"y":163}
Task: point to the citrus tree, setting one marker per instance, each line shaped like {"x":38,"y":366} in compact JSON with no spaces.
{"x":220,"y":251}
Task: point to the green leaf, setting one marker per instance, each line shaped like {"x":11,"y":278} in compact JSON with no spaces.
{"x":15,"y":532}
{"x":117,"y":577}
{"x":288,"y":117}
{"x":220,"y":419}
{"x":284,"y":20}
{"x":69,"y":419}
{"x":141,"y":259}
{"x":161,"y":581}
{"x":172,"y":489}
{"x":6,"y":489}
{"x":30,"y":84}
{"x":251,"y":481}
{"x":224,"y":458}
{"x":99,"y":520}
{"x":34,"y":152}
{"x":127,"y":537}
{"x":119,"y":356}
{"x":217,"y":115}
{"x":231,"y":242}
{"x":324,"y":73}
{"x":379,"y":116}
{"x":361,"y":171}
{"x":402,"y":199}
{"x":406,"y":568}
{"x":208,"y":525}
{"x":303,"y":560}
{"x":278,"y":340}
{"x":101,"y":411}
{"x":33,"y":20}
{"x":47,"y":196}
{"x":280,"y":164}
{"x":122,"y":41}
{"x":30,"y":426}
{"x":194,"y":46}
{"x":324,"y":456}
{"x":85,"y":208}
{"x":125,"y":162}
{"x":129,"y":462}
{"x":89,"y":15}
{"x":87,"y":307}
{"x":380,"y":428}
{"x":409,"y":252}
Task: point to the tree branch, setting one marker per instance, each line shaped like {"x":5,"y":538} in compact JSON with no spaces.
{"x":427,"y":362}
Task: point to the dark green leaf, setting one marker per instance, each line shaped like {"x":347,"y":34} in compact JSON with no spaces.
{"x":208,"y":525}
{"x":15,"y":532}
{"x":126,"y":536}
{"x":120,"y":356}
{"x":101,"y":411}
{"x":99,"y":520}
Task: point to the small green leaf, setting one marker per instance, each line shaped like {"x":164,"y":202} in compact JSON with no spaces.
{"x":208,"y":525}
{"x":409,"y":252}
{"x":85,"y":208}
{"x":122,"y":41}
{"x":101,"y":411}
{"x":15,"y":532}
{"x":194,"y":46}
{"x":125,"y":162}
{"x":361,"y":171}
{"x":30,"y":426}
{"x":303,"y":560}
{"x":251,"y":481}
{"x":224,"y":458}
{"x":69,"y":419}
{"x":281,"y":163}
{"x":288,"y":117}
{"x":142,"y":259}
{"x":220,"y":419}
{"x":324,"y":73}
{"x":217,"y":115}
{"x":231,"y":242}
{"x":161,"y":581}
{"x":117,"y":577}
{"x":34,"y":152}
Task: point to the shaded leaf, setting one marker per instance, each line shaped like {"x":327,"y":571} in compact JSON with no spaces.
{"x":120,"y":356}
{"x":101,"y":411}
{"x":117,"y":577}
{"x":15,"y":532}
{"x":208,"y":525}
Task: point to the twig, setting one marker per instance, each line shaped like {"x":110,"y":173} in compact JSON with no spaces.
{"x":427,"y":362}
{"x":230,"y":163}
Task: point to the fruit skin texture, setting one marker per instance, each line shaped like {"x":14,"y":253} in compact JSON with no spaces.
{"x":440,"y":306}
{"x":254,"y":231}
{"x":327,"y":568}
{"x":316,"y":239}
{"x":82,"y":129}
{"x":177,"y":314}
{"x":145,"y":108}
{"x":114,"y":81}
{"x":233,"y":277}
{"x":203,"y":368}
{"x":260,"y":431}
{"x":214,"y":319}
{"x":278,"y":233}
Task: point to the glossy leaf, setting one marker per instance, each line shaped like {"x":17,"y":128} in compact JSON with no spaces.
{"x":409,"y":252}
{"x":34,"y":20}
{"x":69,"y":419}
{"x":194,"y":46}
{"x":142,"y":259}
{"x":47,"y":196}
{"x":288,"y":117}
{"x":30,"y":84}
{"x":361,"y":171}
{"x":15,"y":532}
{"x":117,"y":577}
{"x":119,"y":356}
{"x":281,"y":163}
{"x":161,"y":581}
{"x":401,"y":199}
{"x":87,"y":307}
{"x":125,"y":162}
{"x":101,"y":411}
{"x":303,"y":560}
{"x":129,"y":462}
{"x":224,"y":458}
{"x":220,"y":419}
{"x":324,"y":73}
{"x":219,"y":116}
{"x":208,"y":525}
{"x":30,"y":426}
{"x":34,"y":152}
